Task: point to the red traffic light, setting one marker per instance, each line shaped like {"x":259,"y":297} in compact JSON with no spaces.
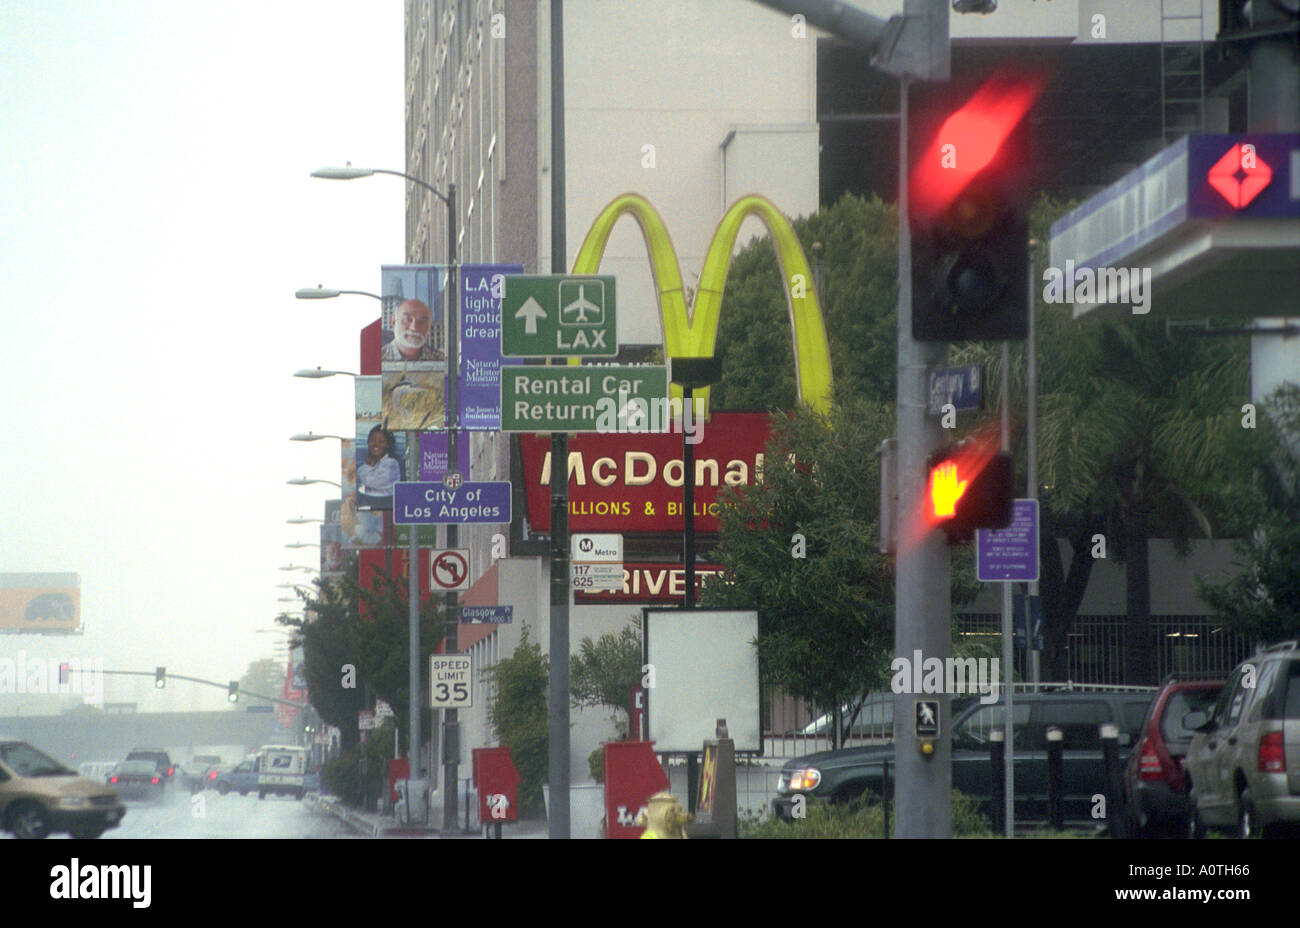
{"x":968,"y":487}
{"x":969,"y":194}
{"x":969,"y":141}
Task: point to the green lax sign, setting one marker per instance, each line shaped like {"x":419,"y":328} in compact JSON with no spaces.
{"x":558,"y":316}
{"x":577,"y":399}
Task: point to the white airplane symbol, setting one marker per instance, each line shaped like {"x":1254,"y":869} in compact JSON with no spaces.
{"x":582,"y":304}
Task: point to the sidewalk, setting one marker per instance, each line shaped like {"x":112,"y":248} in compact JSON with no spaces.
{"x":376,"y":825}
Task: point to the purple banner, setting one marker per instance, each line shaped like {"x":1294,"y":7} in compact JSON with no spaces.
{"x":479,"y":390}
{"x":433,"y":455}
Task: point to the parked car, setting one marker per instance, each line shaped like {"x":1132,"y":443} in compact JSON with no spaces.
{"x":241,"y":778}
{"x":1244,"y":761}
{"x":872,"y":718}
{"x":138,"y":779}
{"x":1155,"y":789}
{"x":38,"y":795}
{"x":845,"y":775}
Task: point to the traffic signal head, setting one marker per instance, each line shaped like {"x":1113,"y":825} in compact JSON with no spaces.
{"x":968,"y":488}
{"x":969,"y":219}
{"x":160,"y":677}
{"x":232,"y":693}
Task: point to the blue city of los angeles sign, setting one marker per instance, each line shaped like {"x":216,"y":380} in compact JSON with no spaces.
{"x":486,"y":502}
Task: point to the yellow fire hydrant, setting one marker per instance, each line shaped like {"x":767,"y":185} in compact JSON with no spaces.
{"x":663,"y":817}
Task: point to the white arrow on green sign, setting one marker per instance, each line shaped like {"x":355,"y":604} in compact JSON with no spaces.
{"x":557,"y":316}
{"x":576,"y":399}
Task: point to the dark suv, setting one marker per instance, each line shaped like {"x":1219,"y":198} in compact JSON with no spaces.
{"x":161,"y":759}
{"x":846,"y":774}
{"x":1155,"y":788}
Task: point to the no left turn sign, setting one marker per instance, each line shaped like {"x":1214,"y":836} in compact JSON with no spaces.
{"x":449,"y":570}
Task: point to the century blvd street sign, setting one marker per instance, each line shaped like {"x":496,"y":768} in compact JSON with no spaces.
{"x":484,"y":502}
{"x":577,"y":399}
{"x":557,"y":315}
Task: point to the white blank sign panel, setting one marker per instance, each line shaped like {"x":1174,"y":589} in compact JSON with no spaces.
{"x":705,"y":669}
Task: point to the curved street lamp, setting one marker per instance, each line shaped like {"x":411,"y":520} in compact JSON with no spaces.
{"x":326,"y":293}
{"x":302,"y":520}
{"x":312,"y":436}
{"x":315,"y":373}
{"x":306,"y":481}
{"x":349,"y":172}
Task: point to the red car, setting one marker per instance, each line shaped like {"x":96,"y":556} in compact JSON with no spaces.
{"x":1155,"y":788}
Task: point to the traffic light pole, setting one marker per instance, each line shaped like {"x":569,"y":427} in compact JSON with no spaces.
{"x":1008,"y":649}
{"x":923,"y":610}
{"x":557,"y":816}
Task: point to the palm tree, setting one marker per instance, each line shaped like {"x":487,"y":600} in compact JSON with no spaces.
{"x":1136,"y":433}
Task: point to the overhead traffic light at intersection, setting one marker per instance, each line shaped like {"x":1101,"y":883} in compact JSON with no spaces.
{"x":969,"y":218}
{"x":232,"y":691}
{"x":160,"y":678}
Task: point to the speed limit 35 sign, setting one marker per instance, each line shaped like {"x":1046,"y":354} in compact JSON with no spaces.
{"x":451,"y":681}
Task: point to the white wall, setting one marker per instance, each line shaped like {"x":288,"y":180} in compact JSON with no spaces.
{"x":652,"y":90}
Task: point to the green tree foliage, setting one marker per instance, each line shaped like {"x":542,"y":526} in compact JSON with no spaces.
{"x":368,"y":629}
{"x":1138,"y":439}
{"x":359,"y":774}
{"x":853,"y":248}
{"x":518,"y":713}
{"x":604,"y":669}
{"x":862,"y":820}
{"x":826,"y":619}
{"x":264,"y":677}
{"x":1263,"y":601}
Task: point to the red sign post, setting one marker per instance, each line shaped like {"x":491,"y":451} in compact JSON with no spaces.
{"x":632,"y":776}
{"x":497,"y":782}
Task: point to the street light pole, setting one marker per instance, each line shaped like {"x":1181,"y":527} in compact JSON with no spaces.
{"x":451,"y":717}
{"x":450,"y":729}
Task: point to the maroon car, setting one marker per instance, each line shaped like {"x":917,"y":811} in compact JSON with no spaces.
{"x":1155,"y":788}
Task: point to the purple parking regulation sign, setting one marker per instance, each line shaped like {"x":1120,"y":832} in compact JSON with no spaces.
{"x":1011,"y":553}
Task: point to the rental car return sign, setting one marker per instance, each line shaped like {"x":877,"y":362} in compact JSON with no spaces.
{"x":577,"y":399}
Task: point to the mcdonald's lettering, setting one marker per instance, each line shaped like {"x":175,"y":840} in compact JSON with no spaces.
{"x":694,"y":335}
{"x":632,"y":482}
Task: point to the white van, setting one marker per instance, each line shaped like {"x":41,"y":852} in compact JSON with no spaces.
{"x":281,"y":769}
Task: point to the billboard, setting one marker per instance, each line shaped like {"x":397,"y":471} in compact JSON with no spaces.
{"x":413,"y":350}
{"x":358,"y":528}
{"x":331,"y":540}
{"x":479,"y":391}
{"x":632,"y":482}
{"x":40,"y":603}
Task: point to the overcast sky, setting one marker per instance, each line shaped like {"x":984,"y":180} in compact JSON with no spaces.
{"x":158,"y":217}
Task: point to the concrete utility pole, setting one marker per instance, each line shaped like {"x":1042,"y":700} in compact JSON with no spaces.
{"x":911,"y":46}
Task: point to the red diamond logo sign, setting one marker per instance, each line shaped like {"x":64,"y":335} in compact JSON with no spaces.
{"x":1240,"y":175}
